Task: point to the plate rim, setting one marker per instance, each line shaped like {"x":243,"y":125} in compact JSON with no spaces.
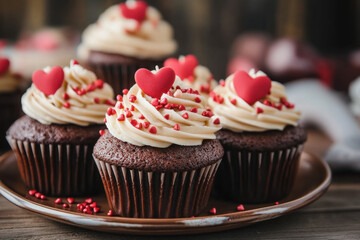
{"x":169,"y":226}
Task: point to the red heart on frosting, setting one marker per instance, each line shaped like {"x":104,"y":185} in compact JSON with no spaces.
{"x":4,"y":65}
{"x":136,"y":12}
{"x":184,"y":67}
{"x":251,"y":89}
{"x":156,"y":84}
{"x":49,"y":82}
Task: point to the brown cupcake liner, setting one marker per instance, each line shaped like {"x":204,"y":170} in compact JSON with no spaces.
{"x":134,"y":193}
{"x":56,"y":169}
{"x":120,"y":76}
{"x":257,"y":177}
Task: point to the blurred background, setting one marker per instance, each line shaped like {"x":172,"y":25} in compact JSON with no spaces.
{"x":210,"y":29}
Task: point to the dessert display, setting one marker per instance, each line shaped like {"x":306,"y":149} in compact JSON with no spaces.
{"x":261,"y":138}
{"x":195,"y":75}
{"x":159,"y":156}
{"x":10,"y":94}
{"x":64,"y":112}
{"x":126,"y":36}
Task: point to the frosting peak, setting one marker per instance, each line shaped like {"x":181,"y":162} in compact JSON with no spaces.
{"x":271,"y":112}
{"x":180,"y":116}
{"x":131,"y":29}
{"x":80,"y":98}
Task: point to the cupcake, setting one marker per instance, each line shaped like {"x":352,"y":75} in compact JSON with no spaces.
{"x":197,"y":76}
{"x":10,"y":94}
{"x":126,"y":36}
{"x":159,"y":155}
{"x":53,"y":142}
{"x":261,"y":138}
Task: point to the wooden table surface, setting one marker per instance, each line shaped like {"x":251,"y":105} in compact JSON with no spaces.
{"x":336,"y":215}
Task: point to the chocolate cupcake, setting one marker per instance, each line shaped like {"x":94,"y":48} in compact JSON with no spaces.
{"x":10,"y":94}
{"x":160,"y":154}
{"x":261,"y":138}
{"x":53,"y":143}
{"x":198,"y":77}
{"x":126,"y":37}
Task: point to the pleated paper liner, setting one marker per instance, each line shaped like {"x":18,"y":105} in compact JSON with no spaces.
{"x":257,"y":177}
{"x":134,"y":193}
{"x":57,"y":169}
{"x":120,"y":76}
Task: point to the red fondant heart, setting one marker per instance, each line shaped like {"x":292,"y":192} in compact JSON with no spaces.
{"x":136,"y":12}
{"x":156,"y":84}
{"x":251,"y":89}
{"x":4,"y":65}
{"x":50,"y":82}
{"x":184,"y":68}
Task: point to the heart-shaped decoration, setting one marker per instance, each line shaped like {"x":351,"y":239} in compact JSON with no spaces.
{"x":49,"y":82}
{"x":251,"y":89}
{"x":156,"y":84}
{"x":183,"y":67}
{"x":4,"y":65}
{"x":136,"y":12}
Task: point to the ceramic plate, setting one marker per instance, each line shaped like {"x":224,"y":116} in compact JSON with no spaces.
{"x":312,"y":180}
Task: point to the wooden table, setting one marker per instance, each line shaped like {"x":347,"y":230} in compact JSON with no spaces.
{"x":336,"y":215}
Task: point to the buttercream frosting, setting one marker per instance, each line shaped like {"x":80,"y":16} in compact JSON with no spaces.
{"x":82,"y":99}
{"x":113,"y":33}
{"x":179,"y":117}
{"x":202,"y":80}
{"x":273,"y":112}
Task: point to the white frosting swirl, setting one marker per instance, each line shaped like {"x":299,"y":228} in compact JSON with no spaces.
{"x":202,"y":81}
{"x":273,"y":112}
{"x":354,"y":92}
{"x":151,"y":39}
{"x":191,"y":131}
{"x":67,"y":106}
{"x":9,"y":82}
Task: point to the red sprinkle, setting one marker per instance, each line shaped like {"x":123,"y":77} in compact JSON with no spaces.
{"x":125,"y":91}
{"x":58,"y":201}
{"x":81,"y":208}
{"x":120,"y":106}
{"x":119,"y":98}
{"x":79,"y":205}
{"x":217,"y":121}
{"x":81,"y":92}
{"x":155,"y":102}
{"x":132,"y":98}
{"x":279,"y":107}
{"x":213,"y":211}
{"x":132,"y":108}
{"x":185,"y":115}
{"x":168,"y":106}
{"x":194,"y":110}
{"x":65,"y":205}
{"x":158,"y":107}
{"x":222,"y":83}
{"x":176,"y":127}
{"x":96,"y":100}
{"x":220,"y":100}
{"x":121,"y":117}
{"x":37,"y":195}
{"x":96,"y":209}
{"x":94,"y":204}
{"x":76,"y":89}
{"x":66,"y":96}
{"x":259,"y":110}
{"x":233,"y":101}
{"x":141,"y":117}
{"x":101,"y":132}
{"x":42,"y":197}
{"x":164,"y":101}
{"x":88,"y":200}
{"x":110,"y":102}
{"x":181,"y":107}
{"x":133,"y":122}
{"x":91,"y":87}
{"x":105,"y":121}
{"x":153,"y":130}
{"x":146,"y":124}
{"x":74,"y":62}
{"x":67,"y":105}
{"x":196,"y":92}
{"x":70,"y":200}
{"x":240,"y":207}
{"x":167,"y":116}
{"x":169,"y":93}
{"x":276,"y":203}
{"x":128,"y":113}
{"x":267,"y":103}
{"x":138,"y":126}
{"x":110,"y":213}
{"x":32,"y":192}
{"x":111,"y":111}
{"x":197,"y":99}
{"x":99,"y":83}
